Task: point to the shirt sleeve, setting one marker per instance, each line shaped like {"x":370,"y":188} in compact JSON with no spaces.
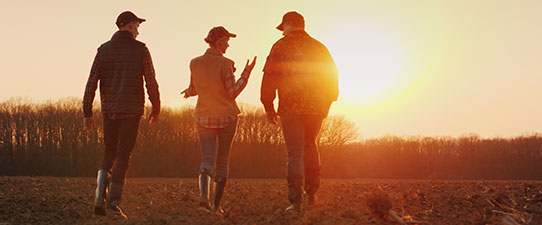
{"x":191,"y":90}
{"x":269,"y":86}
{"x":150,"y":82}
{"x":91,"y":86}
{"x":233,"y":87}
{"x":268,"y":92}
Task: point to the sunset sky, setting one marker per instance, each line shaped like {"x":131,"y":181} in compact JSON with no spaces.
{"x":431,"y":68}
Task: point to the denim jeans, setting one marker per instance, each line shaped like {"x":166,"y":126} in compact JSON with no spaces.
{"x":300,"y":132}
{"x":119,"y":138}
{"x":216,"y":155}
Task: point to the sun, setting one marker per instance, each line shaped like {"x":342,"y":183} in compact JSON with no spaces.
{"x":370,"y":63}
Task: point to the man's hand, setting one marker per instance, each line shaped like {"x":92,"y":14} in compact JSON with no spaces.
{"x":185,"y":92}
{"x":153,"y":119}
{"x":89,"y":123}
{"x":271,"y":117}
{"x":249,"y":66}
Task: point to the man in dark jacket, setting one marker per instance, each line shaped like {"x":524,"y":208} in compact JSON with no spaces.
{"x":303,"y":73}
{"x":121,"y":64}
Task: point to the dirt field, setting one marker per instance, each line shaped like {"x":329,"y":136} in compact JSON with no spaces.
{"x":43,"y":200}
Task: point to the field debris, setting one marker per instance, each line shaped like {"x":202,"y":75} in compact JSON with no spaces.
{"x":379,"y":205}
{"x":506,"y":206}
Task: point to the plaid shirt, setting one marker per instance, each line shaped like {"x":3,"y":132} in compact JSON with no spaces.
{"x":233,"y":88}
{"x":215,"y":122}
{"x":150,"y":84}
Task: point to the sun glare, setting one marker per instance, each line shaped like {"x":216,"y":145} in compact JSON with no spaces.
{"x":370,"y":64}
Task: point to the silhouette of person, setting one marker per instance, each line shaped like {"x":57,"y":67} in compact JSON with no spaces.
{"x":121,"y":65}
{"x":304,"y":74}
{"x":212,"y":79}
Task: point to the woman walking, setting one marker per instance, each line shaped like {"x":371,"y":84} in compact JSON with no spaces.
{"x":212,"y":79}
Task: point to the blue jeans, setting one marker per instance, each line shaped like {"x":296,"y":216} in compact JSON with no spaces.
{"x":213,"y":155}
{"x":300,"y":132}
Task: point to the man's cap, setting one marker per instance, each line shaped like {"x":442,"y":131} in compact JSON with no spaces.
{"x":127,"y":17}
{"x":293,"y":17}
{"x":216,"y":33}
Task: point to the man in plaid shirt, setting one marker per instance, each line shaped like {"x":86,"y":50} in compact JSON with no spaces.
{"x":213,"y":81}
{"x":120,"y":65}
{"x":303,"y":73}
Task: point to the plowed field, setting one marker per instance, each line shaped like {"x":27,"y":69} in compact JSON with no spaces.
{"x":45,"y":200}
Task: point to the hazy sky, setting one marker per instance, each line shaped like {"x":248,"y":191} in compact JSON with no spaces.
{"x":435,"y":68}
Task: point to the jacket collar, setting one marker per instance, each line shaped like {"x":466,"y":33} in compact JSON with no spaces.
{"x":122,"y":34}
{"x":213,"y":51}
{"x":297,"y":32}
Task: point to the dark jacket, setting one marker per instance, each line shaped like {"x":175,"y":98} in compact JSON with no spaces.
{"x":303,"y":73}
{"x":121,"y":74}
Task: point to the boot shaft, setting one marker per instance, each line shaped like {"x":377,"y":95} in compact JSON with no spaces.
{"x":204,"y":180}
{"x":115,"y":194}
{"x":295,"y":189}
{"x":219,"y":185}
{"x":102,"y":183}
{"x":204,"y":186}
{"x":312,"y":180}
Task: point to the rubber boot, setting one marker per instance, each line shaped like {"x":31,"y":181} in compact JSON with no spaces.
{"x":312,"y":183}
{"x":295,"y":194}
{"x":102,"y":183}
{"x":219,"y":185}
{"x":204,"y":190}
{"x":114,"y":197}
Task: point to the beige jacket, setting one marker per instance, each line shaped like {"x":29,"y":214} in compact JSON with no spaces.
{"x":206,"y":75}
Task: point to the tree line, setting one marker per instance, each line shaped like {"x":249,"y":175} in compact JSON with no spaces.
{"x":49,"y":139}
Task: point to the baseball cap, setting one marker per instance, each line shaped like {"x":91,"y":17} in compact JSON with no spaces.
{"x":293,"y":17}
{"x":127,"y":17}
{"x":216,"y":33}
